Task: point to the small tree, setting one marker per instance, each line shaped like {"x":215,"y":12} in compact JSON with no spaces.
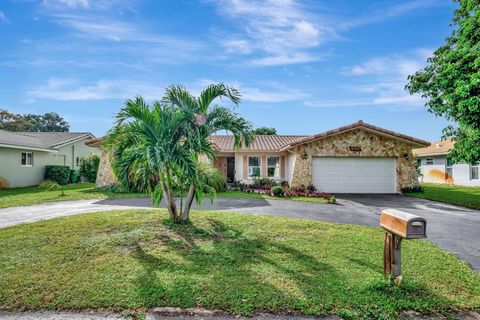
{"x":89,"y":167}
{"x":52,"y":185}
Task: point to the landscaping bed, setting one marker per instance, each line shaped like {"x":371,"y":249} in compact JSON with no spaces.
{"x":468,"y":197}
{"x":269,"y":188}
{"x":137,"y":259}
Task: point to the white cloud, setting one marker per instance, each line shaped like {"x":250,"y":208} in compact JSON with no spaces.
{"x":3,"y":17}
{"x":266,"y":92}
{"x":68,"y":3}
{"x":380,"y":81}
{"x":73,"y":90}
{"x":277,"y":32}
{"x":385,"y":13}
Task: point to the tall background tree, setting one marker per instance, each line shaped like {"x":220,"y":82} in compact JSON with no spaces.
{"x":264,"y":131}
{"x":48,"y":122}
{"x":451,"y":82}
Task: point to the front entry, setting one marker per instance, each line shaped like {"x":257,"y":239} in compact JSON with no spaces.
{"x":230,"y":169}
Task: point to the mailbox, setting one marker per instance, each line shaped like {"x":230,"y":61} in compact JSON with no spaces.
{"x":399,"y":225}
{"x":403,"y":224}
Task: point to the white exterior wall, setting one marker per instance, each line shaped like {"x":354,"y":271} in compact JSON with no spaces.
{"x":14,"y":175}
{"x":290,"y":159}
{"x":436,"y":173}
{"x":238,"y":166}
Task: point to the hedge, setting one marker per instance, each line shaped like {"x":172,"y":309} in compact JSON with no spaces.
{"x":59,"y":174}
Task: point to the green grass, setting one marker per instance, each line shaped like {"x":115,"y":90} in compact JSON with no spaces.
{"x":35,"y":195}
{"x":462,"y":196}
{"x":251,"y":195}
{"x":136,"y":259}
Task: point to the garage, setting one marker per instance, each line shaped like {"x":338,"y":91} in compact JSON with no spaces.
{"x":354,"y":174}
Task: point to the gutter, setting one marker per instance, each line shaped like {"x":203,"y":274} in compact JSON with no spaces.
{"x":11,"y":146}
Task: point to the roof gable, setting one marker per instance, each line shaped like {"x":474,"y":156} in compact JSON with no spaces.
{"x":48,"y":141}
{"x":359,"y":125}
{"x":435,"y":148}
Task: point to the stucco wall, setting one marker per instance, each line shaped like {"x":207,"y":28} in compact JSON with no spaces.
{"x":371,"y":145}
{"x":13,"y":174}
{"x":436,"y":173}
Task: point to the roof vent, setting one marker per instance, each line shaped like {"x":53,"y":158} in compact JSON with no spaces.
{"x":438,"y":145}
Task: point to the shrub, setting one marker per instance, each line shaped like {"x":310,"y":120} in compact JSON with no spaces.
{"x":416,"y":188}
{"x":277,"y":191}
{"x":52,"y":185}
{"x":332,"y":199}
{"x":284,"y":183}
{"x":215,"y":179}
{"x":58,"y":174}
{"x":89,"y":167}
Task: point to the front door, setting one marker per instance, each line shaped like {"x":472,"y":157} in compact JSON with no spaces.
{"x":230,"y":169}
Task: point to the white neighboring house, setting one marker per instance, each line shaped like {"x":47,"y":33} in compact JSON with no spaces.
{"x":24,"y":155}
{"x":435,"y":166}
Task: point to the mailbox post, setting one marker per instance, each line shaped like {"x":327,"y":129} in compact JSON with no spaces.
{"x":398,"y":225}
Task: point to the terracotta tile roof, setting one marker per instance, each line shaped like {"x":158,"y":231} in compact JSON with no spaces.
{"x":358,"y":125}
{"x":224,"y":143}
{"x":437,"y":147}
{"x":40,"y":140}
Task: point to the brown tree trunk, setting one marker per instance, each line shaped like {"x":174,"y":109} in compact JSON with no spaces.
{"x":170,"y":202}
{"x":188,"y":203}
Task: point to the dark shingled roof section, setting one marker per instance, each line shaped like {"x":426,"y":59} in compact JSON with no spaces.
{"x":225,"y":143}
{"x":40,"y":140}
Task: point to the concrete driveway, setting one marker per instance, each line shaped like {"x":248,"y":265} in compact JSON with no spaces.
{"x":455,"y":229}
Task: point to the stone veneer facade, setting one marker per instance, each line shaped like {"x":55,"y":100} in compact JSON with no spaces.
{"x":371,"y":145}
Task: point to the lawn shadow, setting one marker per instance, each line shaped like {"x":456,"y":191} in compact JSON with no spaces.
{"x":254,"y":272}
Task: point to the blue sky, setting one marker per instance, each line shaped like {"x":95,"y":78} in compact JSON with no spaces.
{"x":302,"y":66}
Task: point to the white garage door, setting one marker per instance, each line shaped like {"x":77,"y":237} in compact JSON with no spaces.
{"x":354,"y":175}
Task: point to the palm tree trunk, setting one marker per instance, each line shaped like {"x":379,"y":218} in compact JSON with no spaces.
{"x":188,"y":203}
{"x":169,"y":199}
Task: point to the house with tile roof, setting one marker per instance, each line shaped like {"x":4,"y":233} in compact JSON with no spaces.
{"x":436,"y":167}
{"x":24,"y":155}
{"x":357,"y":158}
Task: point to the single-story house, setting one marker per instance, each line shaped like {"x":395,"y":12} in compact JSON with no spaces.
{"x":436,"y":167}
{"x":357,"y":158}
{"x":24,"y":155}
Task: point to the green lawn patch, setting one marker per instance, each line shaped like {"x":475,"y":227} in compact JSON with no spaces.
{"x":462,"y":196}
{"x":252,"y":195}
{"x":133,"y":259}
{"x":35,"y":195}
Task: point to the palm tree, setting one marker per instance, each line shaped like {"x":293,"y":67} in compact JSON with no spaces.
{"x":206,"y":118}
{"x":148,"y":148}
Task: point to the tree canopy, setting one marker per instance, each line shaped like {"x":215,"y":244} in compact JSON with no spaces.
{"x":451,"y":82}
{"x":264,"y":131}
{"x":48,"y":122}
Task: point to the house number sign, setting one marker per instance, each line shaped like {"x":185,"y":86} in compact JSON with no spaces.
{"x":355,"y":148}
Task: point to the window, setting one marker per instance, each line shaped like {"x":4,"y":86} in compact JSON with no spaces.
{"x":474,"y":172}
{"x":419,"y":162}
{"x":77,"y":160}
{"x":273,"y":167}
{"x":254,"y":166}
{"x":449,"y":168}
{"x":27,"y":159}
{"x":429,"y":161}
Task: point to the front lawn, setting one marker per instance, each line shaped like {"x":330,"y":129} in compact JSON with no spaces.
{"x":462,"y":196}
{"x":252,"y":195}
{"x":34,"y":195}
{"x":134,"y":259}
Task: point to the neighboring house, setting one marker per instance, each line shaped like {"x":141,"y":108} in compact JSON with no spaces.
{"x":436,"y":167}
{"x":358,"y":158}
{"x":24,"y":155}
